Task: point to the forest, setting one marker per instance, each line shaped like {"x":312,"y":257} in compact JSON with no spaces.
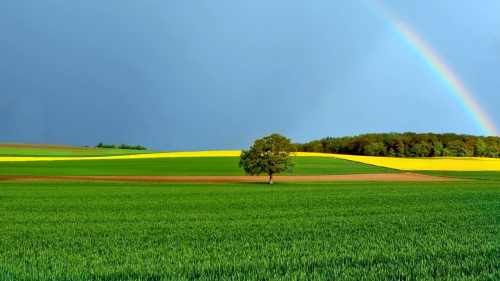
{"x":407,"y":145}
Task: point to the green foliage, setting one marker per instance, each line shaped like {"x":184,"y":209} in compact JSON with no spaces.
{"x":375,"y":149}
{"x":293,"y":231}
{"x":458,"y":148}
{"x":437,"y":148}
{"x":190,"y":166}
{"x":421,"y":149}
{"x":407,"y":145}
{"x":123,"y":146}
{"x":480,"y":149}
{"x":137,"y":147}
{"x":269,"y":155}
{"x":449,"y":153}
{"x":100,"y":145}
{"x":493,"y":151}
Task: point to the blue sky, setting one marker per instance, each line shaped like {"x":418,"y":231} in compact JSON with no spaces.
{"x":206,"y":75}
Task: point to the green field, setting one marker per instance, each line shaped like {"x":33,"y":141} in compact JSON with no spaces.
{"x":486,"y":175}
{"x":84,"y":230}
{"x":37,"y":152}
{"x":199,"y":166}
{"x":289,"y":231}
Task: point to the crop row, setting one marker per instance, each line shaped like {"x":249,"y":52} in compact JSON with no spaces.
{"x":299,"y":231}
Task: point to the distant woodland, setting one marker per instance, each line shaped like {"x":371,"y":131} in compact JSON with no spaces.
{"x":407,"y":145}
{"x":123,"y":146}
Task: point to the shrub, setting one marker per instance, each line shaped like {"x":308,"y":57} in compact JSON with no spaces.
{"x":123,"y":146}
{"x":407,"y":145}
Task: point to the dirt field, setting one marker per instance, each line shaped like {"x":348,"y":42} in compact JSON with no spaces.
{"x":359,"y":177}
{"x":58,"y":147}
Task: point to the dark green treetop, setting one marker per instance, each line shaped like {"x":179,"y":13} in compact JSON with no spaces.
{"x":269,"y":155}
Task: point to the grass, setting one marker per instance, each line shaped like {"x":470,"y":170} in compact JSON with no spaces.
{"x":37,"y":152}
{"x":177,"y":166}
{"x":289,"y":231}
{"x":486,"y":175}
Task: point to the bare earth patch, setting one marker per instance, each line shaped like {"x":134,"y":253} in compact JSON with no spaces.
{"x":357,"y":177}
{"x":41,"y":146}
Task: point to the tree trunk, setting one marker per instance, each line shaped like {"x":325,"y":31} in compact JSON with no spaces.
{"x":270,"y":178}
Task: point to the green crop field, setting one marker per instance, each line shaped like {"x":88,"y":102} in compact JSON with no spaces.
{"x":38,"y":152}
{"x":177,"y":166}
{"x":289,"y":231}
{"x":486,"y":175}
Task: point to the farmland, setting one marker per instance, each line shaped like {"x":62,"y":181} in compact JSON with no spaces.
{"x":320,"y":231}
{"x":467,"y":164}
{"x":16,"y":150}
{"x":189,"y":166}
{"x":478,"y":175}
{"x":105,"y":230}
{"x":186,"y":140}
{"x":427,"y":164}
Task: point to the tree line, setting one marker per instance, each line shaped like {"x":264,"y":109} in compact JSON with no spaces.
{"x":123,"y":146}
{"x":407,"y":145}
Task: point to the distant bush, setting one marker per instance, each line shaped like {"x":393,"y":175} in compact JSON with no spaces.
{"x":407,"y":145}
{"x":123,"y":146}
{"x":100,"y":145}
{"x":137,"y":147}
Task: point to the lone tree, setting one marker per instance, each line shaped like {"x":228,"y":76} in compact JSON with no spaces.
{"x":270,"y":155}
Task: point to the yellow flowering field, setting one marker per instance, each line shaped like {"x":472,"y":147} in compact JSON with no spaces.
{"x":428,"y":164}
{"x":420,"y":164}
{"x":223,"y":153}
{"x":407,"y":164}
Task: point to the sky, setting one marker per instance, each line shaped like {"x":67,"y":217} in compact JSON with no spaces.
{"x":216,"y":75}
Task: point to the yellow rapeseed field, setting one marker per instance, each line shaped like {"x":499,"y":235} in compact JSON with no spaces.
{"x":420,"y":164}
{"x":428,"y":164}
{"x":407,"y":164}
{"x":224,"y":153}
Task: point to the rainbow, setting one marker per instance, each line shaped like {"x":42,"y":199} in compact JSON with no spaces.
{"x":463,"y":96}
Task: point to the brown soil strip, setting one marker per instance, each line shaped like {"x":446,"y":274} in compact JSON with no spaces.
{"x":358,"y":177}
{"x":41,"y":146}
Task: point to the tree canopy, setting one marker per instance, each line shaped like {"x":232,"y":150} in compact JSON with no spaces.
{"x":269,"y":155}
{"x":123,"y":146}
{"x":407,"y":145}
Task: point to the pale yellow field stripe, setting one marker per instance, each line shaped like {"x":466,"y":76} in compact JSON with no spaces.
{"x":225,"y":153}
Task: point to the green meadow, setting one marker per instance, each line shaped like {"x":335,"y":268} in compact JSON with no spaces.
{"x":289,"y":231}
{"x":483,"y":175}
{"x":196,"y":166}
{"x":91,"y":230}
{"x":39,"y":152}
